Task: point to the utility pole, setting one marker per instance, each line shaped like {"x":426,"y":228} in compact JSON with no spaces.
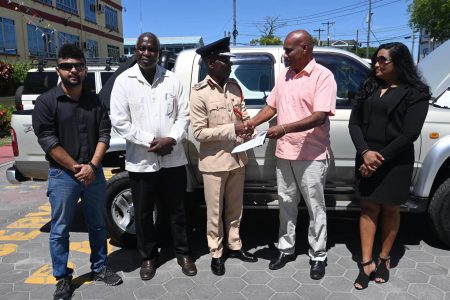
{"x":357,"y":42}
{"x":235,"y":32}
{"x":369,"y":20}
{"x":413,"y":39}
{"x":319,"y":30}
{"x":328,"y":31}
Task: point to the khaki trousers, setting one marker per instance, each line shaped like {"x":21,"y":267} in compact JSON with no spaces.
{"x":305,"y":178}
{"x":224,"y":192}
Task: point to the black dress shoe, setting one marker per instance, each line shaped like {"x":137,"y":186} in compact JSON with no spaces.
{"x":317,"y":269}
{"x":242,"y":255}
{"x":218,"y":266}
{"x":281,"y":260}
{"x":148,"y":269}
{"x":187,"y":265}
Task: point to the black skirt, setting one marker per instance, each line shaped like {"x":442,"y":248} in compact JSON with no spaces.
{"x":390,"y":183}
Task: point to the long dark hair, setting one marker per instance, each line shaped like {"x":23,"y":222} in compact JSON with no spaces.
{"x":407,"y":73}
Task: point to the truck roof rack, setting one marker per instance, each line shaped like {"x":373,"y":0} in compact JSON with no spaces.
{"x":42,"y":63}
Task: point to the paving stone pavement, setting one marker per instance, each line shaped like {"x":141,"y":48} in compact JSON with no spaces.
{"x":420,"y":264}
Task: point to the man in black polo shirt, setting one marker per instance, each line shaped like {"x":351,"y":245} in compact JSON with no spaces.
{"x":73,"y":129}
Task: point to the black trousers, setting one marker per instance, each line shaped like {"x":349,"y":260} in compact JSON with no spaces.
{"x":167,"y":189}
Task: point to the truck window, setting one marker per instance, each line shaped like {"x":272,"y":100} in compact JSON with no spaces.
{"x":105,"y":76}
{"x":255,"y":74}
{"x":39,"y":82}
{"x":89,"y":82}
{"x":348,"y":73}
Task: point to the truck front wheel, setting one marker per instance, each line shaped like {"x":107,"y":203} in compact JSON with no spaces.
{"x":439,"y":212}
{"x":119,"y":212}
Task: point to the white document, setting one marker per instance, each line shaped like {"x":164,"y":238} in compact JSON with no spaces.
{"x":253,"y":143}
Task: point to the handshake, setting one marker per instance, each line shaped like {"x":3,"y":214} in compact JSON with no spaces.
{"x":244,"y":129}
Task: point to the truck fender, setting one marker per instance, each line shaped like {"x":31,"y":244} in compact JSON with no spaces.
{"x":433,"y":161}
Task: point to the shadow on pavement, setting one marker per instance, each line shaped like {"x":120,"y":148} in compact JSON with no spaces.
{"x":259,"y":230}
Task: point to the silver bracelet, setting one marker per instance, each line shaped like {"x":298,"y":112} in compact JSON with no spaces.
{"x":283,"y":129}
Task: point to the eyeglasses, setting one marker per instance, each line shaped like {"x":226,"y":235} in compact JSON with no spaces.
{"x":149,"y":49}
{"x":381,"y":60}
{"x":69,"y":66}
{"x":289,"y":50}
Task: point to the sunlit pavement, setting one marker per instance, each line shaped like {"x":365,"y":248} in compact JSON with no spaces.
{"x":421,"y":264}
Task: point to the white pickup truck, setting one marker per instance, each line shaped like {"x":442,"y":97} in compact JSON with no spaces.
{"x":256,"y":69}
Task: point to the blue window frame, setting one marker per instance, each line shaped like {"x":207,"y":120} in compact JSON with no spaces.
{"x":7,"y":36}
{"x":41,"y":41}
{"x":68,"y":5}
{"x":48,"y":2}
{"x":67,"y":38}
{"x":89,"y":11}
{"x":113,"y":51}
{"x":92,"y":48}
{"x":111,"y":20}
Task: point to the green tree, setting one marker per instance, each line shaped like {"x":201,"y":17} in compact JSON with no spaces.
{"x":432,"y":16}
{"x":20,"y":72}
{"x":267,"y":30}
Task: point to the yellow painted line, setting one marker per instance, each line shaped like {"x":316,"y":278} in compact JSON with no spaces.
{"x":44,"y":276}
{"x":29,"y":222}
{"x":44,"y":210}
{"x":18,"y":236}
{"x":84,"y":247}
{"x":6,"y":249}
{"x":109,"y":172}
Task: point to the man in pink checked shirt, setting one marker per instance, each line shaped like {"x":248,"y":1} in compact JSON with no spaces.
{"x":303,"y":98}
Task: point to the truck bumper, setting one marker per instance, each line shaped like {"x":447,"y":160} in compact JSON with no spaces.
{"x":14,"y":176}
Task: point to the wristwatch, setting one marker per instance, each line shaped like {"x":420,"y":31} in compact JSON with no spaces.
{"x":93,"y":167}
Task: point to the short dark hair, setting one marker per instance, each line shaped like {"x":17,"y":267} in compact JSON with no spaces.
{"x":71,"y":51}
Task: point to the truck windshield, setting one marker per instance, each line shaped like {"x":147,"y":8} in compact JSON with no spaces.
{"x":255,"y":74}
{"x":39,"y":82}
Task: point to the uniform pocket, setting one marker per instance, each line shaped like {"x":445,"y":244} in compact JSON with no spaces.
{"x":218,"y":114}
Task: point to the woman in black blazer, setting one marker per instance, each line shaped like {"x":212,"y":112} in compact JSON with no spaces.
{"x":386,"y":119}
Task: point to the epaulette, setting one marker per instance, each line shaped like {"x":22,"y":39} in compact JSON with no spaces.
{"x":232,"y":80}
{"x":199,"y":85}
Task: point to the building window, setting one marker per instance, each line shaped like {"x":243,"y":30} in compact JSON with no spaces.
{"x":7,"y":36}
{"x":111,"y":20}
{"x":113,"y":52}
{"x":41,"y":41}
{"x":92,"y":48}
{"x":67,"y":38}
{"x":48,"y":2}
{"x":89,"y":11}
{"x":68,"y":5}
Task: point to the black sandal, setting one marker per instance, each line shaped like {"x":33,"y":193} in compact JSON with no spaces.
{"x":382,"y":272}
{"x":363,"y":279}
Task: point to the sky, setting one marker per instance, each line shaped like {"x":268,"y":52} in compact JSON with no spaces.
{"x":210,"y":19}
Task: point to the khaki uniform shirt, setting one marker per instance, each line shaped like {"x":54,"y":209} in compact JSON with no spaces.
{"x":213,"y":112}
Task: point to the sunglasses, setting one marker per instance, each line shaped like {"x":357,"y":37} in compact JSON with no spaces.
{"x":70,"y":66}
{"x":149,"y":49}
{"x":381,"y":60}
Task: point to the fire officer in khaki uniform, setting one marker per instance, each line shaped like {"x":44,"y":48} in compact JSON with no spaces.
{"x":217,"y":114}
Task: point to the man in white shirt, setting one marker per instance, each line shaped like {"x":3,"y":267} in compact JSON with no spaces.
{"x":150,"y":110}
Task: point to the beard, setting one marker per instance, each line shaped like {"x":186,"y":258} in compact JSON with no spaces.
{"x":71,"y":83}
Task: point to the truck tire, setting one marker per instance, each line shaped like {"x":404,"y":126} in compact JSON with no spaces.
{"x":119,"y":212}
{"x":18,"y":98}
{"x":439,"y":212}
